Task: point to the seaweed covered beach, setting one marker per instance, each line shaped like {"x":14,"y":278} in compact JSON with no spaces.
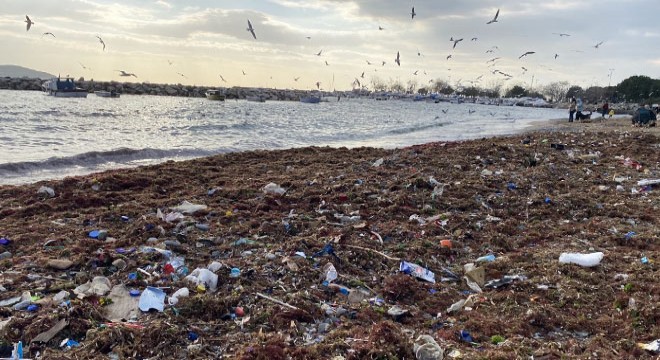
{"x":443,"y":250}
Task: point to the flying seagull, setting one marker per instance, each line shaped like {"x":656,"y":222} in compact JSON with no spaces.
{"x":357,"y":82}
{"x":368,"y":62}
{"x":398,"y":59}
{"x":527,"y":53}
{"x":362,"y":76}
{"x":495,"y":18}
{"x":383,"y":64}
{"x":524,"y":69}
{"x":308,"y":37}
{"x":182,"y":75}
{"x":448,"y":56}
{"x":29,"y":23}
{"x":243,"y":71}
{"x":251,"y":30}
{"x":222,"y":78}
{"x":124,"y":73}
{"x":455,"y":41}
{"x":101,"y":41}
{"x":84,"y":67}
{"x":556,"y":55}
{"x":381,"y":28}
{"x":319,"y":53}
{"x":296,"y":78}
{"x":489,"y":51}
{"x":599,"y":44}
{"x":492,"y":60}
{"x":326,"y":63}
{"x":562,"y":34}
{"x":413,"y":12}
{"x":48,"y":33}
{"x":415,"y":73}
{"x":474,"y":39}
{"x":170,"y":62}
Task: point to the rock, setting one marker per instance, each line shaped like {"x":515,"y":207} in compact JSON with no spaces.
{"x":60,"y":264}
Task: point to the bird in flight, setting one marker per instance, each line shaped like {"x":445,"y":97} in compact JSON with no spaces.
{"x":48,"y":33}
{"x":362,"y":76}
{"x":251,"y":30}
{"x":489,"y":51}
{"x":383,"y":64}
{"x":474,"y":39}
{"x":492,"y":60}
{"x":296,"y":78}
{"x":222,"y":78}
{"x":455,"y":41}
{"x":84,"y":67}
{"x":326,"y":63}
{"x":562,"y":34}
{"x":413,"y":13}
{"x":243,"y":71}
{"x":495,"y":18}
{"x":415,"y":73}
{"x":101,"y":41}
{"x":448,"y":56}
{"x":170,"y":62}
{"x":381,"y":28}
{"x":124,"y":73}
{"x":182,"y":75}
{"x":527,"y":53}
{"x":524,"y":69}
{"x":357,"y":82}
{"x":319,"y":53}
{"x":556,"y":55}
{"x":308,"y":37}
{"x":29,"y":23}
{"x":368,"y":62}
{"x":599,"y":44}
{"x":398,"y":59}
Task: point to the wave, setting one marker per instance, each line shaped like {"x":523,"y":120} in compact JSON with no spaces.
{"x":412,"y":129}
{"x":95,"y":159}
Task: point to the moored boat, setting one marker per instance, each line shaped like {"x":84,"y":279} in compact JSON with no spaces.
{"x":66,"y":87}
{"x":213,"y":94}
{"x":311,"y":99}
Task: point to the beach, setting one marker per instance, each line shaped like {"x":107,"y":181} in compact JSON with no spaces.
{"x":280,"y":216}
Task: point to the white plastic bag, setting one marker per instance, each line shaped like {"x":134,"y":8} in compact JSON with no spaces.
{"x":586,"y":260}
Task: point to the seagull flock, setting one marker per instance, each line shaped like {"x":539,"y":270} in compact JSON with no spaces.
{"x":397,"y":60}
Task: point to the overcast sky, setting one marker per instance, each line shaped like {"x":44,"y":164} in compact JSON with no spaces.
{"x":160,"y":40}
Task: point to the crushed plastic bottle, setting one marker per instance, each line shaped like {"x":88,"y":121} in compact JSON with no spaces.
{"x":586,"y":260}
{"x":330,"y":273}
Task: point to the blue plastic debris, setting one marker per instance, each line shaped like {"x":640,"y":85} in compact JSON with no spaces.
{"x":465,"y":336}
{"x":417,"y":271}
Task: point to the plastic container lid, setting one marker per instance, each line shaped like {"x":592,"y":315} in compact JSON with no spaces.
{"x":134,"y":292}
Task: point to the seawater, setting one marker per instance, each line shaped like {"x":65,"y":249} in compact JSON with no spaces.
{"x":43,"y":137}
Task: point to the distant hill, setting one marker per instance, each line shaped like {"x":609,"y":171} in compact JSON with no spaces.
{"x":15,"y":71}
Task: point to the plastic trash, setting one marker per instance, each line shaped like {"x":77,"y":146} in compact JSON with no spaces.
{"x":653,"y":346}
{"x":426,"y":348}
{"x":152,"y":298}
{"x":465,"y":336}
{"x":487,"y":258}
{"x":189,"y":208}
{"x":17,"y":353}
{"x":330,"y":273}
{"x":644,"y":260}
{"x":586,"y":260}
{"x":204,"y":277}
{"x":192,"y":336}
{"x":4,"y":241}
{"x":417,"y":271}
{"x":45,"y":190}
{"x":235,"y":272}
{"x":214,"y":266}
{"x":274,"y":189}
{"x":174,"y":298}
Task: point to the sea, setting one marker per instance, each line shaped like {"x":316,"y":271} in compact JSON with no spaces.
{"x":43,"y":137}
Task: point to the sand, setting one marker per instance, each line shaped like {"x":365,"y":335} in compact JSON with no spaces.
{"x":524,"y":199}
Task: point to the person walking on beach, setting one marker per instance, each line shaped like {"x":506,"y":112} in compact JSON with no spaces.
{"x":605,"y":109}
{"x":571,"y":109}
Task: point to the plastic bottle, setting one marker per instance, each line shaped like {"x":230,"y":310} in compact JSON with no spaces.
{"x":330,"y":273}
{"x":586,"y":260}
{"x":487,"y":258}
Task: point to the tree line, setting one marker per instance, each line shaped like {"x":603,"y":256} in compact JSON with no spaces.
{"x":636,"y":89}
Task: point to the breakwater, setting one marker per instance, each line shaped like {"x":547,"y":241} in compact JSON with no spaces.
{"x":33,"y":84}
